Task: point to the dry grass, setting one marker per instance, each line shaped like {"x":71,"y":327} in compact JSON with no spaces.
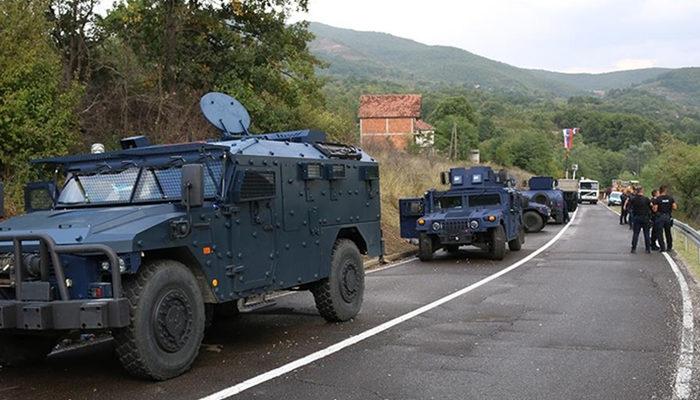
{"x":404,"y":175}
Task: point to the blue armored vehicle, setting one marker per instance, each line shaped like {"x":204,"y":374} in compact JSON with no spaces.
{"x":145,"y":242}
{"x":480,"y":209}
{"x":544,"y":190}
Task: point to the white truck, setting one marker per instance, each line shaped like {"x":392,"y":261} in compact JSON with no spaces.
{"x":588,"y":191}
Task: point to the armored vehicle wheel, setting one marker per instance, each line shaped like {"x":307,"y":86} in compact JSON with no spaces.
{"x":426,"y":248}
{"x":339,"y":297}
{"x":497,"y":247}
{"x":24,"y":349}
{"x":533,"y":221}
{"x":517,"y":243}
{"x":167,"y":321}
{"x":559,"y":218}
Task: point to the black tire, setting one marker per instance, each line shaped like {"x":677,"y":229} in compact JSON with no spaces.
{"x":426,"y":247}
{"x":533,"y":221}
{"x":497,"y":246}
{"x":517,"y":243}
{"x":20,"y":349}
{"x":559,"y":217}
{"x":339,"y":297}
{"x":167,"y":321}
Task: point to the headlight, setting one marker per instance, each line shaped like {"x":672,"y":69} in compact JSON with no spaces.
{"x":436,"y":226}
{"x":474,"y":224}
{"x":421,"y":221}
{"x":122,"y":265}
{"x":491,"y":218}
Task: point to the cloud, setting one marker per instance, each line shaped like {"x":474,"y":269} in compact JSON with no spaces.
{"x":634,"y":63}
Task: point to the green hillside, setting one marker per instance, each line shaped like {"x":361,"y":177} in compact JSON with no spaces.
{"x":380,"y":56}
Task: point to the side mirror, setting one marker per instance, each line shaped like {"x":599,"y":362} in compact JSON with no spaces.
{"x":39,"y":196}
{"x":445,"y":178}
{"x":192,"y":185}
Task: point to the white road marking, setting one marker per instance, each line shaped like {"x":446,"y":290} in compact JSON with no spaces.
{"x":684,"y":370}
{"x":684,"y":373}
{"x":284,"y":369}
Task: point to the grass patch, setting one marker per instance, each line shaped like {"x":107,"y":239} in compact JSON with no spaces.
{"x":690,"y":256}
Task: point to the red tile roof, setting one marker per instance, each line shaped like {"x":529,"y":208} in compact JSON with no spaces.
{"x":421,"y":125}
{"x":390,"y":106}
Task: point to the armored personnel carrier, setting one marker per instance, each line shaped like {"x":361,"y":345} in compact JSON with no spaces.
{"x":143,"y":242}
{"x":481,"y":208}
{"x":559,"y":198}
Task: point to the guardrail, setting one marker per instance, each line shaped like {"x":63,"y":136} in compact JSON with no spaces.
{"x":690,"y":236}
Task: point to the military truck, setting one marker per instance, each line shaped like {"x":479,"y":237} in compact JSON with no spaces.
{"x":480,"y":208}
{"x":143,"y":242}
{"x":545,"y":190}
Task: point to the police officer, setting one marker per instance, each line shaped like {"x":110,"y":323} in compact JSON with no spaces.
{"x":664,"y":206}
{"x":623,"y":210}
{"x":654,"y":229}
{"x":631,"y":193}
{"x":640,"y":209}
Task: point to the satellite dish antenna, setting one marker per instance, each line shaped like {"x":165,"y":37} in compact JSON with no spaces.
{"x":226,"y":113}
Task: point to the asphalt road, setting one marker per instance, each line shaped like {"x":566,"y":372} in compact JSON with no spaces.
{"x":582,"y":320}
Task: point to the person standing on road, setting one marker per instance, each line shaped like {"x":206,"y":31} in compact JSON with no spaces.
{"x":640,"y":208}
{"x":654,"y":228}
{"x":664,"y":205}
{"x":623,"y":211}
{"x":631,"y":193}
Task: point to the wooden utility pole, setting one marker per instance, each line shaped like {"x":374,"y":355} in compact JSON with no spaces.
{"x":454,"y":149}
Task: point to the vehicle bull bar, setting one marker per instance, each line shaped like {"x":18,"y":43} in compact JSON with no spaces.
{"x":26,"y":313}
{"x":49,"y":251}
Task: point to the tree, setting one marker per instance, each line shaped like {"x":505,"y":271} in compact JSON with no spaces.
{"x":158,"y":57}
{"x":37,"y":112}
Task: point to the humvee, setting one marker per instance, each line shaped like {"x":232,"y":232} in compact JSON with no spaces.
{"x":480,"y":208}
{"x":143,"y":242}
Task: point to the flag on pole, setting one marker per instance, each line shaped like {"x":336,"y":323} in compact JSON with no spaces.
{"x":569,"y":134}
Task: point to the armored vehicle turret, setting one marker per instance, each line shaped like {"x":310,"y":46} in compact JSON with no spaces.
{"x":480,"y":208}
{"x":145,"y":241}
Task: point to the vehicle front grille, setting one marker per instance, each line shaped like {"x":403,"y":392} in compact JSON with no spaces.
{"x":456,"y":227}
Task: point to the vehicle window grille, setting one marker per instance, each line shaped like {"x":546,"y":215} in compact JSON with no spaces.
{"x":257,"y":185}
{"x":147,"y":188}
{"x":111,"y":187}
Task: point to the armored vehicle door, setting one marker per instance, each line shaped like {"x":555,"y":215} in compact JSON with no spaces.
{"x":513,"y":213}
{"x":253,"y":227}
{"x":410,"y":210}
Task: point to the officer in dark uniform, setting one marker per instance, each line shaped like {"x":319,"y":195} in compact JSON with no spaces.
{"x":664,"y":206}
{"x":623,"y":210}
{"x":654,"y":230}
{"x":640,"y":208}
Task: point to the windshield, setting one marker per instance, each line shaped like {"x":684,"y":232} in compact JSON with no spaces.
{"x":485,"y":200}
{"x":446,"y":202}
{"x":589,"y":185}
{"x":615,"y":195}
{"x":133,"y":185}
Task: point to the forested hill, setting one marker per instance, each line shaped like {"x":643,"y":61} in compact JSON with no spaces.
{"x":380,"y":56}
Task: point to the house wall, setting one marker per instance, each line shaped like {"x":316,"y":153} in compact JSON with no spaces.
{"x":394,"y":133}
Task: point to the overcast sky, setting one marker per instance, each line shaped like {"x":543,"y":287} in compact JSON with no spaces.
{"x":559,"y":35}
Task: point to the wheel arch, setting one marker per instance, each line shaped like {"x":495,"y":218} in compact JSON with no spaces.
{"x":353,"y":234}
{"x":185,"y":256}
